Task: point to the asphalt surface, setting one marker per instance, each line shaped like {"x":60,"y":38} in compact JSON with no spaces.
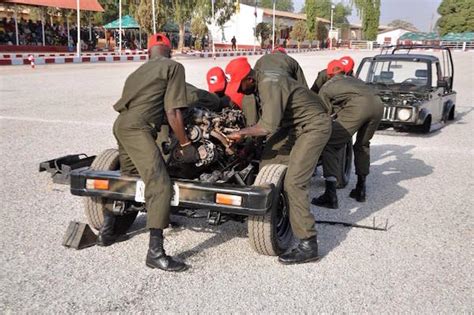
{"x":421,"y":183}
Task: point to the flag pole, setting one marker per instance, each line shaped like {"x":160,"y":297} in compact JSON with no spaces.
{"x":154,"y":15}
{"x":78,"y":45}
{"x":255,"y":29}
{"x":273,"y":26}
{"x":212,"y":29}
{"x":120,"y":27}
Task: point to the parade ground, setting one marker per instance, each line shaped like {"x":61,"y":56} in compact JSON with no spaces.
{"x":422,"y":184}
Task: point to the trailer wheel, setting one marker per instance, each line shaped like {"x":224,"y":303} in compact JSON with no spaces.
{"x":108,"y":160}
{"x":346,"y":165}
{"x":271,"y":234}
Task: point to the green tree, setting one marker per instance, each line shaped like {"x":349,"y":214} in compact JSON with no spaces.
{"x":299,"y":32}
{"x":341,"y":12}
{"x":282,"y":5}
{"x":321,"y":32}
{"x":457,"y":16}
{"x":198,"y":29}
{"x":402,"y":24}
{"x":369,"y":12}
{"x":263,"y":31}
{"x":310,"y":9}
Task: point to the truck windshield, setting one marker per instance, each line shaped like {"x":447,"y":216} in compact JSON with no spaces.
{"x":395,"y":72}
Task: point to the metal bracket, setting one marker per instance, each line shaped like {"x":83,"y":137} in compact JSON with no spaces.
{"x":214,"y":218}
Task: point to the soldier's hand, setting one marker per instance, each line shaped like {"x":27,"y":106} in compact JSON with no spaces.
{"x":190,"y":154}
{"x":235,"y":136}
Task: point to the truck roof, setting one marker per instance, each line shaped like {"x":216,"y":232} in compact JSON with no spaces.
{"x":405,"y":57}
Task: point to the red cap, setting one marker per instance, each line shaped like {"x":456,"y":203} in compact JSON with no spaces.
{"x":348,"y":63}
{"x":158,"y":39}
{"x":237,"y":100}
{"x":279,"y":49}
{"x":216,"y":80}
{"x":335,"y":67}
{"x":235,"y":71}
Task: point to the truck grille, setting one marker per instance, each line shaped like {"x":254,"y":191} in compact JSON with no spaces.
{"x":389,"y":113}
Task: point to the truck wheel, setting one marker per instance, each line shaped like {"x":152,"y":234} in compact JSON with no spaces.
{"x":346,"y":165}
{"x":452,"y":113}
{"x":271,"y":234}
{"x":95,"y":206}
{"x":426,"y":127}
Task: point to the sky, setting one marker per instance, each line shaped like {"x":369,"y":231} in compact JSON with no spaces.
{"x":418,"y":12}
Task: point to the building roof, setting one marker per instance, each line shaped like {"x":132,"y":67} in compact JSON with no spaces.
{"x":359,"y":26}
{"x":396,"y":28}
{"x":85,"y":5}
{"x":459,"y":37}
{"x":127,"y":22}
{"x":291,"y":15}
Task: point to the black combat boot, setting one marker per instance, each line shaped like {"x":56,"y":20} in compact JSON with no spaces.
{"x":359,"y":192}
{"x":157,"y":258}
{"x":107,"y":235}
{"x":306,"y":251}
{"x":329,"y":198}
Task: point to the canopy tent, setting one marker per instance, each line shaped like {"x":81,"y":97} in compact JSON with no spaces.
{"x":419,"y":36}
{"x":459,"y":37}
{"x":86,"y":5}
{"x":127,"y":22}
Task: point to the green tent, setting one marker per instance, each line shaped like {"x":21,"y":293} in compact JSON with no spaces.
{"x":418,"y":36}
{"x":127,"y":22}
{"x":458,"y":37}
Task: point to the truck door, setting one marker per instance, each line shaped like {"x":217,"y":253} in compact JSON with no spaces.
{"x":436,"y":104}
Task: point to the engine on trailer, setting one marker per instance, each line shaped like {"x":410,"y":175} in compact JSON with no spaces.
{"x":218,"y":158}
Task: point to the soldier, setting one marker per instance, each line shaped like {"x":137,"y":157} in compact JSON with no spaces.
{"x":299,"y":127}
{"x":357,"y":109}
{"x":322,"y":78}
{"x":155,"y":89}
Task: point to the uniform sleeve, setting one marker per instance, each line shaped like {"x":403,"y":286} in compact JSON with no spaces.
{"x":319,"y":82}
{"x":273,"y":104}
{"x":249,"y":108}
{"x":325,"y":95}
{"x":175,"y":95}
{"x":300,"y":76}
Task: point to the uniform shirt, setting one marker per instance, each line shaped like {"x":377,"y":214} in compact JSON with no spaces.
{"x":279,"y":61}
{"x":285,"y":103}
{"x":203,"y":98}
{"x":341,"y":89}
{"x":320,"y":80}
{"x":157,"y":86}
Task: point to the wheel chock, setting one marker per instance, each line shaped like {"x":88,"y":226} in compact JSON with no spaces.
{"x":79,"y":235}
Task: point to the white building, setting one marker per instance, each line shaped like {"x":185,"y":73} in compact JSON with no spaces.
{"x":242,"y":25}
{"x":391,"y":36}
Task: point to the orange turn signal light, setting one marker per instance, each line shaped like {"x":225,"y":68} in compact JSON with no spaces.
{"x":97,"y":184}
{"x":231,"y":200}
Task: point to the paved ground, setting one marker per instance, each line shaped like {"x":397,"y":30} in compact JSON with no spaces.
{"x":422,"y":184}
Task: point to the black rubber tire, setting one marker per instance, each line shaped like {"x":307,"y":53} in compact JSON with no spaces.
{"x":426,"y":127}
{"x":346,"y":165}
{"x":452,"y":113}
{"x":95,"y":206}
{"x":271,"y":233}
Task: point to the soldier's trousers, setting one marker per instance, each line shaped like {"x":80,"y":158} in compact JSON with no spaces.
{"x":299,"y":149}
{"x":361,"y":115}
{"x":140,"y":154}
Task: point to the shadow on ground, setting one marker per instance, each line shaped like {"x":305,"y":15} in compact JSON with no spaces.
{"x":391,"y":165}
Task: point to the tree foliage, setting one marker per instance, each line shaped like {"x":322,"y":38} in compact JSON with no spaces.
{"x":369,"y":12}
{"x":457,"y":16}
{"x":143,"y":14}
{"x":299,"y":32}
{"x":263,"y":31}
{"x":402,"y":24}
{"x":321,"y":31}
{"x":282,"y":5}
{"x":311,"y":13}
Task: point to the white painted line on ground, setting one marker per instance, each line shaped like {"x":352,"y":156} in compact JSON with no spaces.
{"x":56,"y":121}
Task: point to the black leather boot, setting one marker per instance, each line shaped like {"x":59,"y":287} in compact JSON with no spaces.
{"x":157,"y":258}
{"x":359,"y":192}
{"x":329,"y":198}
{"x":306,"y":251}
{"x":107,"y":234}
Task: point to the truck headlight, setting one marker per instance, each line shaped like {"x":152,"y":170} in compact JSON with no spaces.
{"x":404,"y":114}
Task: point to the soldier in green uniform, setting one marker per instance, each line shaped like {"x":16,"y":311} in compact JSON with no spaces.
{"x":155,"y":90}
{"x":357,"y":108}
{"x":322,"y":77}
{"x":278,"y":61}
{"x":300,"y":127}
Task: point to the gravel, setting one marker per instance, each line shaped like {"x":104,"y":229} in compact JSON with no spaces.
{"x":421,"y":183}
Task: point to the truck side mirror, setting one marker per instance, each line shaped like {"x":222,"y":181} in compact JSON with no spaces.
{"x":442,"y":84}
